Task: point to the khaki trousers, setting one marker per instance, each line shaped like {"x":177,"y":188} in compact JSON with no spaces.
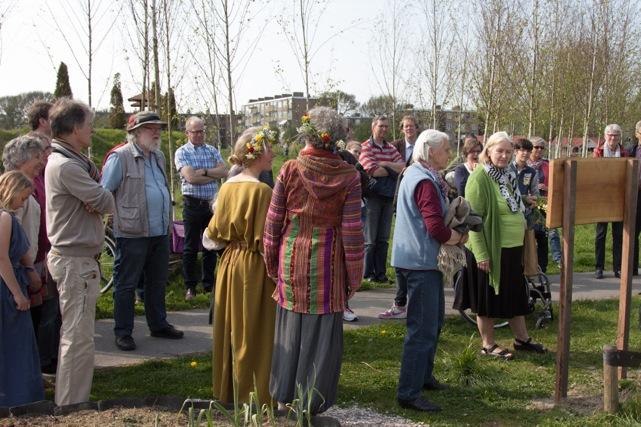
{"x":78,"y":280}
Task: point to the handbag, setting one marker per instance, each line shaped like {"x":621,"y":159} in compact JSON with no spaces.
{"x":530,"y":257}
{"x":212,"y":244}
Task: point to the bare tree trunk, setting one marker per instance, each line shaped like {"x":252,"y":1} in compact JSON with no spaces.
{"x":534,"y":70}
{"x":154,"y":28}
{"x":228,"y":60}
{"x":210,"y":43}
{"x":168,"y":108}
{"x":588,"y":112}
{"x":145,"y":67}
{"x":303,"y":25}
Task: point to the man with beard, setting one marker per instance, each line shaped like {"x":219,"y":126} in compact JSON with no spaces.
{"x":135,"y":174}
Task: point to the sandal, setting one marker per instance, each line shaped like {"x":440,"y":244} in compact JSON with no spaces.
{"x":529,"y":346}
{"x":498,"y":352}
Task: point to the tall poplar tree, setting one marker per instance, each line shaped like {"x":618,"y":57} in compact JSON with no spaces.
{"x":63,"y":88}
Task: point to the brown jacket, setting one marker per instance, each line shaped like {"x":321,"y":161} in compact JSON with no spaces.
{"x":399,"y":144}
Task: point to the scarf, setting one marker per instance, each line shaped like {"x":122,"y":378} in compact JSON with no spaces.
{"x":445,"y":188}
{"x":62,"y":147}
{"x":506,"y":181}
{"x":609,"y":153}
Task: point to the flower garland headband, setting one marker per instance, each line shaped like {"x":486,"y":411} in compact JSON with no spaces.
{"x":256,"y":146}
{"x":308,"y":129}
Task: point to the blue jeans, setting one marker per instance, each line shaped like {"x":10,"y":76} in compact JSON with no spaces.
{"x":378,"y":224}
{"x":196,"y":215}
{"x":555,"y":244}
{"x":425,"y":314}
{"x":135,"y":257}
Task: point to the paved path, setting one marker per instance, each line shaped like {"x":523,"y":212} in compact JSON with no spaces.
{"x":367,"y":304}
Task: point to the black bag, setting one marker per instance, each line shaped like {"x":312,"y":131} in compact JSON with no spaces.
{"x":382,"y":186}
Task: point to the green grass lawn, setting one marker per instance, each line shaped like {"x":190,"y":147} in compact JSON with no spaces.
{"x":483,"y":391}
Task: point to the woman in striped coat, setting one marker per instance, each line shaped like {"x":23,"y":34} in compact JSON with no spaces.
{"x":314,"y":251}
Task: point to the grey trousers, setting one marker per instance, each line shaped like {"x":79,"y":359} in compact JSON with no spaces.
{"x":307,"y":356}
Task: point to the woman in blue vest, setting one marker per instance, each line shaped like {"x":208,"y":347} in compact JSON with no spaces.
{"x":493,"y":284}
{"x":419,"y":232}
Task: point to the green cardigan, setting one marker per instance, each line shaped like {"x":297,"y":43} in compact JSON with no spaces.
{"x":486,"y":244}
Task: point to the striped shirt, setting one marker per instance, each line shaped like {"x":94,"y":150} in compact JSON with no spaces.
{"x":198,"y":157}
{"x":314,"y":245}
{"x":372,"y":154}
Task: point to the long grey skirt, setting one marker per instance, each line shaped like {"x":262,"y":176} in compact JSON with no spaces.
{"x":308,"y":351}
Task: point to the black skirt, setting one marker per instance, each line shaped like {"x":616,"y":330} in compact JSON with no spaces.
{"x":476,"y":293}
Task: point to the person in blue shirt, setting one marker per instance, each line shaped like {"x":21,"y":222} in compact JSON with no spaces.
{"x":200,"y":166}
{"x":135,"y":174}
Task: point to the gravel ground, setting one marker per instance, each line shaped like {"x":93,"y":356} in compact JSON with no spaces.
{"x":364,"y":417}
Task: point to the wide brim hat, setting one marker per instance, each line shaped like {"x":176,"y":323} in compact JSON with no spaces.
{"x":144,"y":118}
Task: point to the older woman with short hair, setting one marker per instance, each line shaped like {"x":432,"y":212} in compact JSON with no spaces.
{"x":493,"y":283}
{"x":471,"y":150}
{"x":26,"y":154}
{"x":419,"y":232}
{"x":314,"y":251}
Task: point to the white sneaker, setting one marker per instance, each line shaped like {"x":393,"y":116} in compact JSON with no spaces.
{"x":396,"y":312}
{"x":349,"y":315}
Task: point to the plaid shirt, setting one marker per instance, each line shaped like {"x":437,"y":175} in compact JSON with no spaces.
{"x":198,"y":157}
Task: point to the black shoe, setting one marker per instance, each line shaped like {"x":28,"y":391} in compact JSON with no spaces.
{"x":125,"y":343}
{"x":419,"y":404}
{"x":168,"y":332}
{"x":617,"y":274}
{"x":435,"y":385}
{"x":598,"y":274}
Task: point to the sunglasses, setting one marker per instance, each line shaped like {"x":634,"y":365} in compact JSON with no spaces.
{"x":539,"y":148}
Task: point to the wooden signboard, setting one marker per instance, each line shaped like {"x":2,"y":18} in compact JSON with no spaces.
{"x":585,"y":191}
{"x":599,"y":193}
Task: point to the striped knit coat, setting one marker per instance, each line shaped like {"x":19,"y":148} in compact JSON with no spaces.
{"x":313,"y":235}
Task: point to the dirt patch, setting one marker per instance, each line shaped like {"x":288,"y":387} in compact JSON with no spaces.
{"x":111,"y":418}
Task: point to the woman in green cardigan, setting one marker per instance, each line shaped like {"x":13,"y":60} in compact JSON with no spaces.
{"x":493,"y":283}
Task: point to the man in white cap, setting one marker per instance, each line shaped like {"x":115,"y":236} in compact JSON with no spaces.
{"x":135,"y":174}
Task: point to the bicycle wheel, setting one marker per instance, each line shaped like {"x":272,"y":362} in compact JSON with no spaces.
{"x":107,"y":257}
{"x":467,"y":314}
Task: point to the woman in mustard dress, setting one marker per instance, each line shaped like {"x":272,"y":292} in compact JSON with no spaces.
{"x":244,"y":310}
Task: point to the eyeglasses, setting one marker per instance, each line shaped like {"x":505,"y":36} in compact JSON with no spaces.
{"x":197,"y":131}
{"x":538,"y":147}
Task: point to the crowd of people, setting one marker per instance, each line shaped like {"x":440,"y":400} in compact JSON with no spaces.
{"x":281,"y":256}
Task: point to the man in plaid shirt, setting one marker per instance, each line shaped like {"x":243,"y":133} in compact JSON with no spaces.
{"x":378,"y":158}
{"x":200,"y":166}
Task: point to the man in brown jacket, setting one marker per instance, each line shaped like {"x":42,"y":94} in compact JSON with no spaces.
{"x":405,"y":145}
{"x":75,"y":204}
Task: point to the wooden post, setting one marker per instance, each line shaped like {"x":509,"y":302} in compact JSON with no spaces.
{"x":627,"y":256}
{"x":610,"y":382}
{"x":565,"y":295}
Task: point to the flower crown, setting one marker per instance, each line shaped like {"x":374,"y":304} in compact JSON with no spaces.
{"x":256,"y":146}
{"x":308,"y":129}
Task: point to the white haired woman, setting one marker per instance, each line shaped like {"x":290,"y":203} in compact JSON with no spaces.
{"x":419,"y":232}
{"x":493,"y":283}
{"x":314,"y":251}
